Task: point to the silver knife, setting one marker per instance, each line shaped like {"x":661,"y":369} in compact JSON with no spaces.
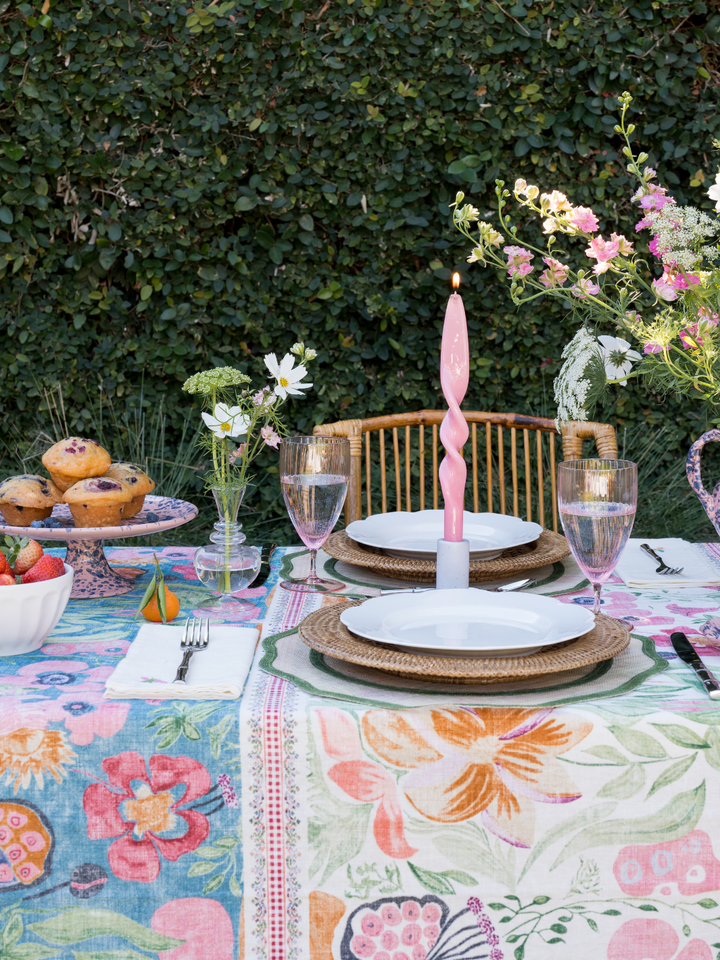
{"x":686,"y":652}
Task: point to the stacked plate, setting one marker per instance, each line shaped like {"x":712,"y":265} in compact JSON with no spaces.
{"x":415,"y":535}
{"x":467,"y":623}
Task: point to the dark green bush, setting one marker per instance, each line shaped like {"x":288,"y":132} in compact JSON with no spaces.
{"x":183,"y":187}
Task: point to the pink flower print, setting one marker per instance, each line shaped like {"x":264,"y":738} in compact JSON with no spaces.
{"x":411,"y":910}
{"x":362,"y":947}
{"x":400,"y":955}
{"x":518,"y":261}
{"x":411,"y":934}
{"x":419,"y":952}
{"x":584,"y":220}
{"x":32,"y":840}
{"x":556,"y":273}
{"x":88,"y":715}
{"x":111,"y":648}
{"x":431,"y":913}
{"x":6,"y":874}
{"x":46,"y":674}
{"x":144,"y":811}
{"x":197,"y":921}
{"x":372,"y":925}
{"x":391,"y":916}
{"x":27,"y":872}
{"x":603,"y":251}
{"x":431,"y":932}
{"x":15,"y":853}
{"x":687,"y":867}
{"x":653,"y":940}
{"x":364,"y":780}
{"x":228,"y":791}
{"x":664,"y":290}
{"x":186,"y":571}
{"x":382,"y":956}
{"x":389,"y":940}
{"x":584,"y":288}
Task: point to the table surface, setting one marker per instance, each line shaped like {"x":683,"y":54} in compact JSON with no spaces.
{"x":449,"y":831}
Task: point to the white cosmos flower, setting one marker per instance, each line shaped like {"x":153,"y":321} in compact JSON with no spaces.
{"x":714,"y":192}
{"x":288,"y":376}
{"x":618,"y":357}
{"x":227,"y":421}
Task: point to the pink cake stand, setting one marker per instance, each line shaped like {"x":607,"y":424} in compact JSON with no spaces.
{"x":94,"y":577}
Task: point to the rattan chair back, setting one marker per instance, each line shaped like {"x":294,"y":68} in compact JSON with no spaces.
{"x":511,"y":462}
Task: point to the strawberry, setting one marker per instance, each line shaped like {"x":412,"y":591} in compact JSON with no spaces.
{"x":4,"y":565}
{"x":7,"y":580}
{"x":47,"y":568}
{"x":28,"y":557}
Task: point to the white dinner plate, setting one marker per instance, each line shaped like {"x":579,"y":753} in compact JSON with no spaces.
{"x":471,"y":622}
{"x":415,"y":535}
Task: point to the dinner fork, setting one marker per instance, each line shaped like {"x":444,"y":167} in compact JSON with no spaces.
{"x":664,"y":570}
{"x":196,"y":636}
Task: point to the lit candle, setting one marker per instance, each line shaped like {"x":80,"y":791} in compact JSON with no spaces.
{"x":454,"y":377}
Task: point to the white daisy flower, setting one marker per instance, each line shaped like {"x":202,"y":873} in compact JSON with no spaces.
{"x":714,"y":192}
{"x":227,"y":421}
{"x":288,"y":376}
{"x":618,"y":357}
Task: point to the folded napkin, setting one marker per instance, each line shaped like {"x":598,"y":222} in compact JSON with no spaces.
{"x":637,"y":569}
{"x":216,"y":673}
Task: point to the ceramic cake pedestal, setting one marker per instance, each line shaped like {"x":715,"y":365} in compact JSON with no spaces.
{"x":93,"y":576}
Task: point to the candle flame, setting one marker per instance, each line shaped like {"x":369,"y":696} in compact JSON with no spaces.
{"x":455,"y":280}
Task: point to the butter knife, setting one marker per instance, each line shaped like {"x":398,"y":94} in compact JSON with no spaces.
{"x":686,"y":652}
{"x":265,"y":571}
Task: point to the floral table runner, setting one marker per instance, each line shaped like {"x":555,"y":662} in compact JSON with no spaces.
{"x":454,"y":831}
{"x":120,"y":832}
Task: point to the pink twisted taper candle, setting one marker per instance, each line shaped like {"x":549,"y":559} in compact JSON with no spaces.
{"x":454,"y":377}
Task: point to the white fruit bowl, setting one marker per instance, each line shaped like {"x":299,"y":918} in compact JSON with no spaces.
{"x":30,"y":611}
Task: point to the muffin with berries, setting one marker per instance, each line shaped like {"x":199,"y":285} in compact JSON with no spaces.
{"x":75,"y":458}
{"x":98,"y":502}
{"x":137,"y":481}
{"x":26,"y":498}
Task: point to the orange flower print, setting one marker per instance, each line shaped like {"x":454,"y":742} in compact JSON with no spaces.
{"x":486,"y":761}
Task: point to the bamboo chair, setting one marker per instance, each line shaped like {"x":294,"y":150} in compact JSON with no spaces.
{"x":511,"y":469}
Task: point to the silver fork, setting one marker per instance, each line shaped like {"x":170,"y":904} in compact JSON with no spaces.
{"x":196,"y":636}
{"x":664,"y":570}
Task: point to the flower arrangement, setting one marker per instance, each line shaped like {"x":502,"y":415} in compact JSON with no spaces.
{"x":235,"y":412}
{"x":677,"y":328}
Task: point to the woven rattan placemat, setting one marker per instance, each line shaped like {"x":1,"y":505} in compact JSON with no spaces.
{"x":548,"y":548}
{"x":323,"y":631}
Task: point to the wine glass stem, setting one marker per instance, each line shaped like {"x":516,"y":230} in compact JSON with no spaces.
{"x":596,"y":590}
{"x":313,"y":569}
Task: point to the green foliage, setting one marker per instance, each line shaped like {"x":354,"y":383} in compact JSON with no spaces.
{"x":183,"y":187}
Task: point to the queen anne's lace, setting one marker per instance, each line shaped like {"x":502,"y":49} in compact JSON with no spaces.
{"x":572,"y":384}
{"x":679,"y":233}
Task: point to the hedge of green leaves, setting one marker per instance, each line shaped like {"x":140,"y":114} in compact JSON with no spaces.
{"x":189,"y":186}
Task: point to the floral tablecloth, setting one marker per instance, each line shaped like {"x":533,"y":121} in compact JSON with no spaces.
{"x":461,"y":831}
{"x":120,"y":833}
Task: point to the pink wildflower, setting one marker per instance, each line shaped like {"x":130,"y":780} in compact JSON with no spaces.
{"x":584,"y":220}
{"x":691,"y":337}
{"x":257,"y":398}
{"x":555,"y":202}
{"x":652,"y":348}
{"x":270,"y":438}
{"x":705,"y":314}
{"x":664,"y":290}
{"x":238,"y":454}
{"x":603,"y":251}
{"x":584,"y":288}
{"x":555,"y":275}
{"x":656,"y":200}
{"x":625,"y":248}
{"x":518,"y":261}
{"x":644,"y":224}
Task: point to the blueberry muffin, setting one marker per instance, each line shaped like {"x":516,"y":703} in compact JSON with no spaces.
{"x":27,"y":498}
{"x":75,"y":458}
{"x":98,"y":502}
{"x":138,"y":482}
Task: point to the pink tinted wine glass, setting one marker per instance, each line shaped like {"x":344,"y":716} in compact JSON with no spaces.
{"x":597,"y":501}
{"x":314,"y":475}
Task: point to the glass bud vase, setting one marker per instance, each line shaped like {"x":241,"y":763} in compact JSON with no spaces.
{"x":226,"y":565}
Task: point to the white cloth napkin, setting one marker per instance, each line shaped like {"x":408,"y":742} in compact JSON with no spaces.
{"x":216,"y":673}
{"x":637,"y":569}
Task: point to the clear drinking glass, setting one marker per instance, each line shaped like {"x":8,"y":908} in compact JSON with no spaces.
{"x":314,"y":475}
{"x":597,"y":500}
